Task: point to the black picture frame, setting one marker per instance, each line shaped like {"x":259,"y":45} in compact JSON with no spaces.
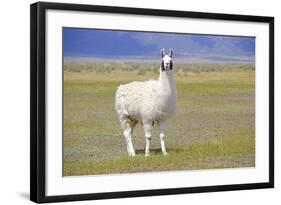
{"x":38,"y":101}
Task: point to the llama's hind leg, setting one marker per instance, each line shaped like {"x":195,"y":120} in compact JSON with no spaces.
{"x":147,"y":126}
{"x":161,"y":129}
{"x":128,"y":132}
{"x":128,"y":137}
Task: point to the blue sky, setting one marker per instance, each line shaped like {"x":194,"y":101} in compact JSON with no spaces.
{"x":110,"y":44}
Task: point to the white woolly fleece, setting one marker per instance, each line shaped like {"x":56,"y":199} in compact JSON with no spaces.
{"x":147,"y":101}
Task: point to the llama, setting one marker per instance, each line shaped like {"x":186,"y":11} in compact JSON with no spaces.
{"x":147,"y":102}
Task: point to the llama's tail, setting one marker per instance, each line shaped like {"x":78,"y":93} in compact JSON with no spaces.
{"x":120,"y":102}
{"x":120,"y":107}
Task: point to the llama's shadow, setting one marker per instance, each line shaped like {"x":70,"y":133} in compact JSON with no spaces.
{"x":152,"y":151}
{"x":158,"y":151}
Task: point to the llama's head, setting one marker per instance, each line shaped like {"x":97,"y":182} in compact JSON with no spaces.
{"x":167,"y":63}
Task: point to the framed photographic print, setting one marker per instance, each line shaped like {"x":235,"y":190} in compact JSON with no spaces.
{"x":129,"y":102}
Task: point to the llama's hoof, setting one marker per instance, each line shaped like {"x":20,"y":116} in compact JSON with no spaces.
{"x":165,"y":153}
{"x":147,"y":155}
{"x":132,"y":154}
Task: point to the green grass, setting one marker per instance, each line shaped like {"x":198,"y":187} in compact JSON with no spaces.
{"x":214,"y":126}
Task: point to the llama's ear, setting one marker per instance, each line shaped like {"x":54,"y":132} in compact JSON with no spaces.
{"x":171,"y":53}
{"x":162,"y":52}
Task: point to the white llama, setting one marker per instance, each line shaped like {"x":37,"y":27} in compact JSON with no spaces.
{"x":147,"y":102}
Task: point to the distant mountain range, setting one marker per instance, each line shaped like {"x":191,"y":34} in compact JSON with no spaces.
{"x":146,"y":45}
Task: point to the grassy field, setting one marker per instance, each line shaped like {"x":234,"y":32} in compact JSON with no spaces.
{"x":214,"y":126}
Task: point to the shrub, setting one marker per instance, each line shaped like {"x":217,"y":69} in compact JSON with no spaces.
{"x":141,"y":72}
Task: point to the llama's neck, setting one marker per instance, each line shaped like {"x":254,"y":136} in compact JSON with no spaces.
{"x":166,"y":82}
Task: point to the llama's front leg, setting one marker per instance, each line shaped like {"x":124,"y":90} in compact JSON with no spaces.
{"x":148,"y":133}
{"x":161,"y":129}
{"x":128,"y":137}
